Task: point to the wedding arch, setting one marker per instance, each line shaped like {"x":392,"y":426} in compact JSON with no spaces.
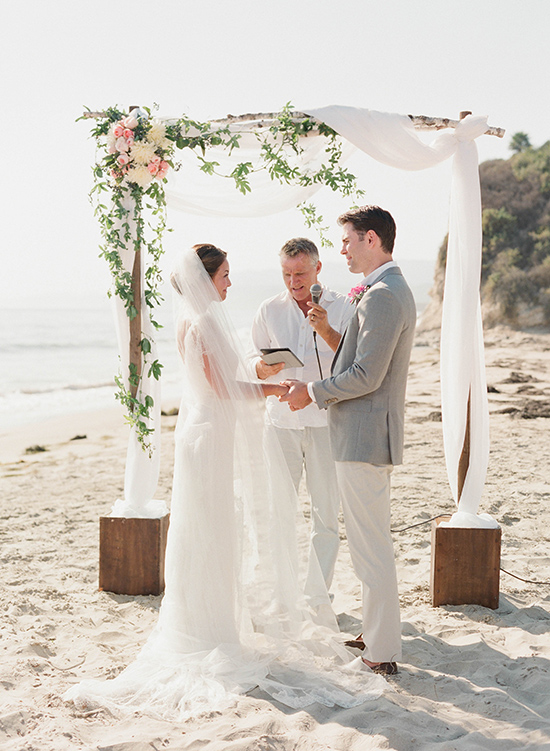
{"x":277,"y":161}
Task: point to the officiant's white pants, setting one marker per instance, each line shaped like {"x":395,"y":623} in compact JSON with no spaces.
{"x":365,"y":492}
{"x":310,"y":448}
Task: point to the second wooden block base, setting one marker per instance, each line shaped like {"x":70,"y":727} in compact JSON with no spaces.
{"x":465,"y":568}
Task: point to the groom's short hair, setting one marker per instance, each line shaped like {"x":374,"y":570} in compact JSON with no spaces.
{"x":379,"y":220}
{"x":298,"y":245}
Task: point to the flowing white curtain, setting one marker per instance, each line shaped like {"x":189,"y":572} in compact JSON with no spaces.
{"x":142,"y":470}
{"x":191,"y":190}
{"x":392,"y":140}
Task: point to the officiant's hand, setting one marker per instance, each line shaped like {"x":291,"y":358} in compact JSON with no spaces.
{"x":298,"y":396}
{"x":318,"y":320}
{"x":263,"y":370}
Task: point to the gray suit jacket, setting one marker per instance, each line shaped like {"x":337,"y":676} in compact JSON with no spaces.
{"x":366,"y":391}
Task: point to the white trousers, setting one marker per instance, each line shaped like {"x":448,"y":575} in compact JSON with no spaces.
{"x":365,"y":492}
{"x":309,"y":449}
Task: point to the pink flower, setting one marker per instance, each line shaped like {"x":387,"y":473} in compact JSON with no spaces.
{"x":356,"y":293}
{"x":128,"y":134}
{"x":122,"y":144}
{"x":123,"y":159}
{"x":118,"y":130}
{"x":163,"y":169}
{"x":153,"y":167}
{"x":129,"y":122}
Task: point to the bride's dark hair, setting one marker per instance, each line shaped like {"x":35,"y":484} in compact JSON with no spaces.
{"x":211,"y":256}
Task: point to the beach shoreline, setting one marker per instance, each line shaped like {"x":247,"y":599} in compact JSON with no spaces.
{"x":471,"y":677}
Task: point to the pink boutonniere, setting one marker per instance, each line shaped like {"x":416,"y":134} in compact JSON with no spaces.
{"x":356,"y":293}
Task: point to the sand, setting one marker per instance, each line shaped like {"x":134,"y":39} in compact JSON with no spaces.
{"x":471,"y":677}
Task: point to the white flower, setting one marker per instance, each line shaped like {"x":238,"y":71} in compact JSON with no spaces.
{"x":157,"y":131}
{"x":157,"y":134}
{"x":142,"y":151}
{"x":139,"y":175}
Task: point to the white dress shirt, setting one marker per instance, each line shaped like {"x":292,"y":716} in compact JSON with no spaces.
{"x":279,"y":322}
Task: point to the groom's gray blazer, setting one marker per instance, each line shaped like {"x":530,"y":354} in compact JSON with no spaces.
{"x":365,"y":394}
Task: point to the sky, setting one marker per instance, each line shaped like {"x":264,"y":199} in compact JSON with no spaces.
{"x":208,"y":60}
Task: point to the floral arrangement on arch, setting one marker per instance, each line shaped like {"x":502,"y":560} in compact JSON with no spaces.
{"x":134,"y":154}
{"x":135,"y":151}
{"x":138,"y":150}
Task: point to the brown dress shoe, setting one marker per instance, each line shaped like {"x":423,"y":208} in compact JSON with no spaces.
{"x":381,"y":668}
{"x":356,"y":643}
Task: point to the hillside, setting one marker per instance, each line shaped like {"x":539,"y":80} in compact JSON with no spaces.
{"x":515,"y":282}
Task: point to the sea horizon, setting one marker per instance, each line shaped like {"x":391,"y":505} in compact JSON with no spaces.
{"x":59,"y":360}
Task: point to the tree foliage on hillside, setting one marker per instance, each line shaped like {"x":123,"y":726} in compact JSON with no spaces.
{"x":515,"y":195}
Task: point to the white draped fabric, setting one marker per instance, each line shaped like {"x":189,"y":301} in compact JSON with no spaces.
{"x":191,"y":190}
{"x":392,"y":140}
{"x":142,"y":469}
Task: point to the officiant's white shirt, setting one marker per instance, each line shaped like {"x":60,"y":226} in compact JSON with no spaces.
{"x":279,"y":322}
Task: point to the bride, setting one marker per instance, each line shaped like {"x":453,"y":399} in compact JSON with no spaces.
{"x":234,"y":616}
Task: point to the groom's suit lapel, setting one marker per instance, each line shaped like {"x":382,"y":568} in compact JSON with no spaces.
{"x":392,"y":270}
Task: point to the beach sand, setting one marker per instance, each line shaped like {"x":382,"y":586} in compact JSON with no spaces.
{"x":471,"y":678}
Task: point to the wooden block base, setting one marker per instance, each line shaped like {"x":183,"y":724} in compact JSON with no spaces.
{"x":465,"y":568}
{"x":131,"y":555}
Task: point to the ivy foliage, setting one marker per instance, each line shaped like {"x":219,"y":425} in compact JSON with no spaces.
{"x":133,"y":214}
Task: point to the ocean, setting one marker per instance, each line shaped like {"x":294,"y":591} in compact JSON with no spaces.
{"x":59,"y":361}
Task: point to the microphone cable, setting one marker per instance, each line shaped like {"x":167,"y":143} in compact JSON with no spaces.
{"x":317,"y":353}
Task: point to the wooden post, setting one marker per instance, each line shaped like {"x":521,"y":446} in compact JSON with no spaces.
{"x":135,"y":323}
{"x":465,"y":566}
{"x":465,"y":562}
{"x":464,"y":461}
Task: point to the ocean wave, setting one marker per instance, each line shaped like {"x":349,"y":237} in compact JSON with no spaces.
{"x":67,"y":387}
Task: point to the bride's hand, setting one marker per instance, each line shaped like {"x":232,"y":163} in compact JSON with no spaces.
{"x":274,"y":389}
{"x":282,"y":391}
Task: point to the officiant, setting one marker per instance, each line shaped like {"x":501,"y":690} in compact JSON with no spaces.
{"x":312,"y":332}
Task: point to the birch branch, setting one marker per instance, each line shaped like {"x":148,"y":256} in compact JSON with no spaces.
{"x":266,"y":119}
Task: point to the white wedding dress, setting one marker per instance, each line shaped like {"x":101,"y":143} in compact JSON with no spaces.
{"x":234,"y":615}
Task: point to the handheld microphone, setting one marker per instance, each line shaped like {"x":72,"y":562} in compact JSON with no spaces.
{"x":316,"y":291}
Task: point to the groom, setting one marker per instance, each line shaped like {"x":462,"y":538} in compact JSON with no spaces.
{"x":365,"y":398}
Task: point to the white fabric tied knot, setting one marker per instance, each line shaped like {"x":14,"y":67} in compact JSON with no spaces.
{"x":470,"y":128}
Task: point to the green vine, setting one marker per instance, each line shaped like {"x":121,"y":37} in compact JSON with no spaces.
{"x":135,"y":151}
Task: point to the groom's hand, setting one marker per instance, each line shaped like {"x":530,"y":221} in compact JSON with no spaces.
{"x":298,"y":396}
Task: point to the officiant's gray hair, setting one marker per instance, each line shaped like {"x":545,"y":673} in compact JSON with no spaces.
{"x":298,"y":245}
